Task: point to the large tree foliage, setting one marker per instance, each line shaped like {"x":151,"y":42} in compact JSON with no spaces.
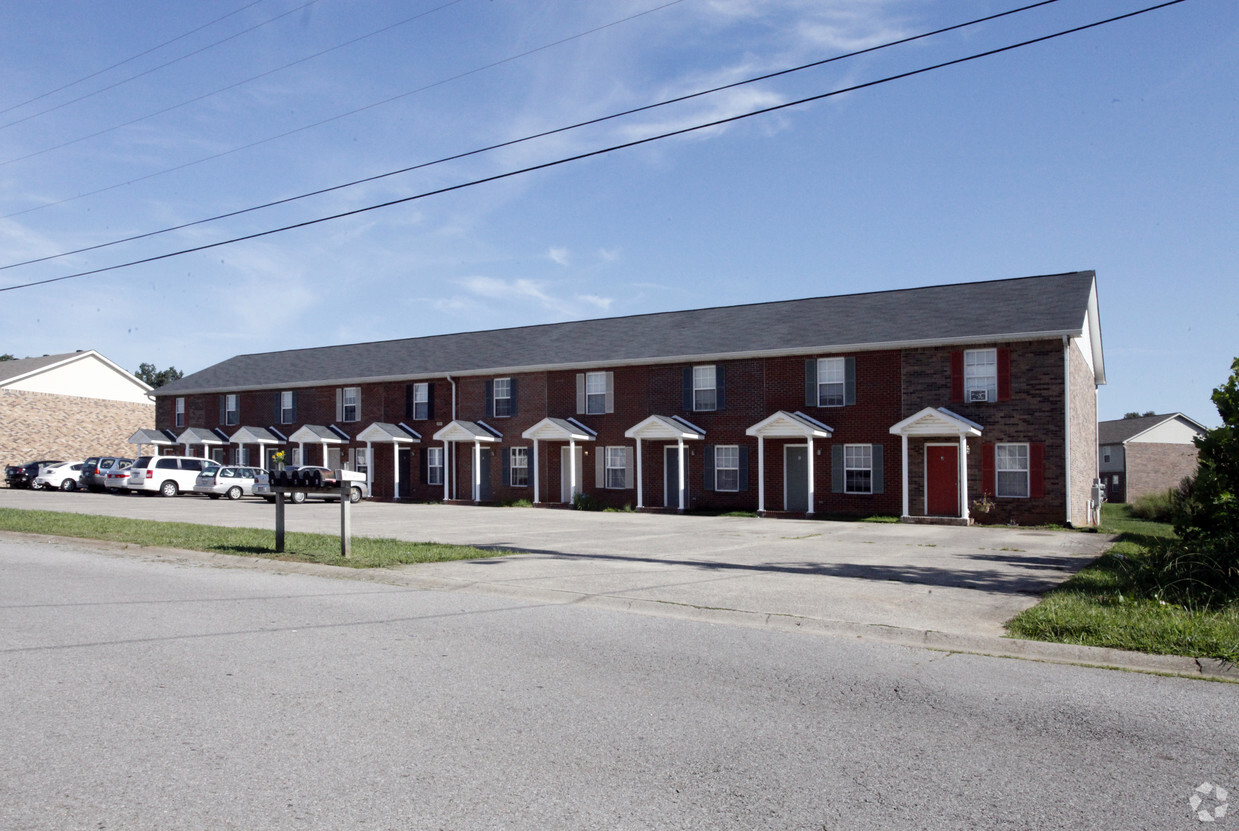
{"x":158,"y":377}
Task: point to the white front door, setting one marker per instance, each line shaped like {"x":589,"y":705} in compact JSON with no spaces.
{"x":567,"y":491}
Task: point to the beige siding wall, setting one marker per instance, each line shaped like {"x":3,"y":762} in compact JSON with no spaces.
{"x":1082,"y":433}
{"x":37,"y":425}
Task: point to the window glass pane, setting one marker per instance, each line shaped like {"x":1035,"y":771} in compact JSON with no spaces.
{"x":705,"y":395}
{"x":1011,"y":464}
{"x":727,"y":468}
{"x":503,"y":396}
{"x":518,"y":462}
{"x":421,"y":401}
{"x":434,"y":465}
{"x":830,"y":377}
{"x":858,"y":468}
{"x":616,"y":463}
{"x":595,"y":393}
{"x":981,"y":374}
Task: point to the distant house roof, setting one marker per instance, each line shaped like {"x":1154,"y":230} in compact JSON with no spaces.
{"x":1125,"y":429}
{"x":999,"y":310}
{"x":85,"y":374}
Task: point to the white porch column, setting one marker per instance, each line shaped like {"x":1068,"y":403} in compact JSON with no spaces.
{"x":904,"y":439}
{"x":395,"y":470}
{"x":640,"y":478}
{"x":572,"y":469}
{"x":477,"y":471}
{"x":447,"y":471}
{"x":963,"y":476}
{"x":325,"y":455}
{"x":812,"y":501}
{"x":370,"y":467}
{"x":301,"y":453}
{"x":761,"y":475}
{"x":683,"y":484}
{"x":536,"y":489}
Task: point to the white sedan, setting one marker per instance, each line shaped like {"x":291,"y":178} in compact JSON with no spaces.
{"x":61,"y":476}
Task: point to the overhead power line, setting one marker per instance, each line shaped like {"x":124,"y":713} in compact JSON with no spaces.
{"x":543,"y":134}
{"x":603,"y":151}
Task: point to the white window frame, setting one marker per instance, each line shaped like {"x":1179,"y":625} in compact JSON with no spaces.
{"x":705,"y":388}
{"x":727,"y":467}
{"x":506,"y":385}
{"x":857,"y":460}
{"x":286,"y":407}
{"x":180,"y":412}
{"x":831,"y":382}
{"x":595,"y":393}
{"x":518,"y":467}
{"x":361,"y":460}
{"x":232,"y":409}
{"x":616,"y":468}
{"x":980,"y":375}
{"x":1012,"y":471}
{"x":434,"y":465}
{"x":421,"y":401}
{"x":345,"y":394}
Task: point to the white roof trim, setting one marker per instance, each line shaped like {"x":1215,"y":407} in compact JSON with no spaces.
{"x":381,"y":431}
{"x":315,"y":434}
{"x":147,"y":436}
{"x":664,"y":428}
{"x":559,"y":429}
{"x":198,"y":435}
{"x":460,"y":430}
{"x":253,"y":435}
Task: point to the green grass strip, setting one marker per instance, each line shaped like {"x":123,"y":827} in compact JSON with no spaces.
{"x":367,"y":552}
{"x":1101,"y":605}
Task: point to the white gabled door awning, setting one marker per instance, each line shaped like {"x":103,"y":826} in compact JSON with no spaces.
{"x":936,"y":422}
{"x":199,"y":435}
{"x":161,"y":438}
{"x":381,"y":432}
{"x":254,"y":435}
{"x":664,"y":428}
{"x":318,"y":434}
{"x":460,"y":430}
{"x":785,"y":425}
{"x":477,"y":432}
{"x":562,"y":430}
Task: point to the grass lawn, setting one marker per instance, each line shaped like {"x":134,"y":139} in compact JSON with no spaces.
{"x":1101,"y":606}
{"x":368,"y":552}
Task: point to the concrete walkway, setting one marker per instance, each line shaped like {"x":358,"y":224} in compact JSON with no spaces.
{"x":941,"y":586}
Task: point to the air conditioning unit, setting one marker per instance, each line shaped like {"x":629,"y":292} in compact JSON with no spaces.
{"x":978,"y":395}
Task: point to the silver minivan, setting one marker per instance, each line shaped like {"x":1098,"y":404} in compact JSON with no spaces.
{"x":167,"y":475}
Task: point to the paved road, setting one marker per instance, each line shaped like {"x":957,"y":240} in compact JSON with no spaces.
{"x":137,"y":693}
{"x":958,"y":581}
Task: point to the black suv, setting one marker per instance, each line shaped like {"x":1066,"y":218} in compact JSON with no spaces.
{"x":23,"y":476}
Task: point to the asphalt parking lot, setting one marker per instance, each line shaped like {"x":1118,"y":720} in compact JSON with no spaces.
{"x":904,"y":581}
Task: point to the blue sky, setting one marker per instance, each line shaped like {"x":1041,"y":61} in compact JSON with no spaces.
{"x":1112,"y":149}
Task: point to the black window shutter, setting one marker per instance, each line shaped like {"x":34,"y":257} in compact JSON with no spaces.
{"x":490,"y":398}
{"x":512,"y":392}
{"x":849,"y":380}
{"x":430,"y":400}
{"x":836,"y":468}
{"x":223,"y":409}
{"x":408,"y":400}
{"x":709,"y":463}
{"x":688,"y":389}
{"x":810,"y":382}
{"x":279,"y":408}
{"x":295,"y":394}
{"x":720,"y":386}
{"x":423,"y":466}
{"x":507,"y":466}
{"x":879,"y":480}
{"x":744,"y":468}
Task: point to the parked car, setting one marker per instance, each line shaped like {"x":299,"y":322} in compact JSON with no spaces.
{"x":167,"y":475}
{"x":95,"y":469}
{"x":23,"y":476}
{"x":116,"y":478}
{"x":358,"y":491}
{"x":232,"y":481}
{"x":63,"y":476}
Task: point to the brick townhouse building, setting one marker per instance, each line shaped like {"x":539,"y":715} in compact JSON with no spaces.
{"x":974,"y":401}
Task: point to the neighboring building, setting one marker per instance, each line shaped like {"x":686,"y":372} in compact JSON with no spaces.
{"x":1151,"y":454}
{"x":69,"y":407}
{"x":915,"y":403}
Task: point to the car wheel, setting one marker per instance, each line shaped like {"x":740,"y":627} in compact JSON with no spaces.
{"x":235,"y":492}
{"x":354,"y":495}
{"x":68,"y":485}
{"x":297,"y":497}
{"x":213,"y":495}
{"x":169,"y":488}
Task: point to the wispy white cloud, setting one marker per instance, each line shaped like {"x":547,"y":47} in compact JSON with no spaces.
{"x":559,"y":256}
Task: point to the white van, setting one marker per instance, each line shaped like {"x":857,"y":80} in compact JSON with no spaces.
{"x":167,"y":475}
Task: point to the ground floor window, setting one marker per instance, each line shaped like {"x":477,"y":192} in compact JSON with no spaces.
{"x":518,"y":463}
{"x":434,"y":465}
{"x":617,"y":468}
{"x":727,"y":467}
{"x":361,"y":461}
{"x":241,"y":456}
{"x":858,"y":468}
{"x":1011,"y":467}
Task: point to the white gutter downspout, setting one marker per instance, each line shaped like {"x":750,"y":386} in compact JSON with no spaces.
{"x":1067,"y":418}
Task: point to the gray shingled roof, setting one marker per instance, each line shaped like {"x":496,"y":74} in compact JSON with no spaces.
{"x":1122,"y":429}
{"x":996,"y":310}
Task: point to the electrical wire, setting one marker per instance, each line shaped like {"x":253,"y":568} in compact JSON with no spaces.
{"x":544,"y":134}
{"x":594,"y":153}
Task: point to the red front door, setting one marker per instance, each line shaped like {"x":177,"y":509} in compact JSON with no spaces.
{"x":942,"y":479}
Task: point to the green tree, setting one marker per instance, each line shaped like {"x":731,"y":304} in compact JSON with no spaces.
{"x":1138,"y":415}
{"x":7,"y":357}
{"x":158,"y":377}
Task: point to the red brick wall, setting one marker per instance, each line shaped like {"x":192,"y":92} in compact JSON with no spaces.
{"x":1156,"y":468}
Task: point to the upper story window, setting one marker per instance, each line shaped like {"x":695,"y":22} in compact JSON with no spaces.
{"x":595,"y":393}
{"x":288,"y":407}
{"x":421,"y":401}
{"x":502,"y":397}
{"x":981,"y":375}
{"x":349,"y":404}
{"x":705,"y":389}
{"x":1011,"y":468}
{"x":831,"y":378}
{"x":232,"y":409}
{"x":180,"y":412}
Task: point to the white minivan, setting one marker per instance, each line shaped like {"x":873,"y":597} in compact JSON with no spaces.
{"x":167,"y":475}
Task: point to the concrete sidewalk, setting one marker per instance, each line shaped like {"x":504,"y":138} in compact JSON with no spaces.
{"x":941,"y":586}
